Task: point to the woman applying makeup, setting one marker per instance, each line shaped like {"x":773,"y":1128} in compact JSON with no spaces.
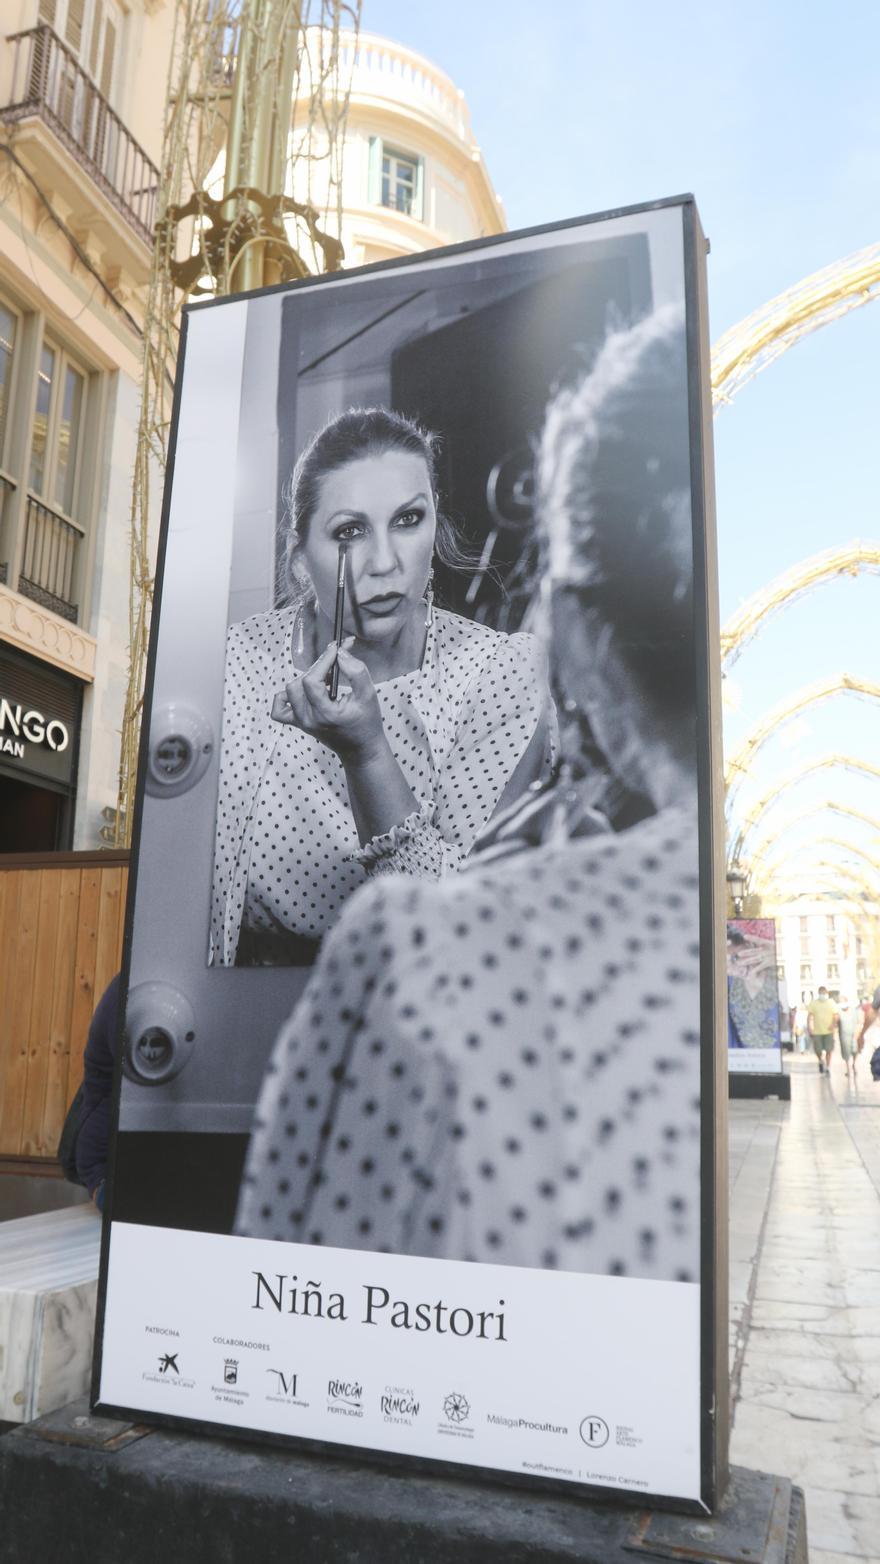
{"x":437,"y":722}
{"x":505,"y":1066}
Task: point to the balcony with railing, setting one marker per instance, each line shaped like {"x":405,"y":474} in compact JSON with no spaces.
{"x":49,"y":559}
{"x":48,"y":82}
{"x":381,"y":69}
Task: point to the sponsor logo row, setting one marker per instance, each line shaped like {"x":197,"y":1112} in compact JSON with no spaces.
{"x":395,"y":1403}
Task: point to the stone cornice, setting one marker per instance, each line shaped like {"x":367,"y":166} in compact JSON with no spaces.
{"x":34,"y":629}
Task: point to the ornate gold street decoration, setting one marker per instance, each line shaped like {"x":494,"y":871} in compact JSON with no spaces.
{"x":258,"y":220}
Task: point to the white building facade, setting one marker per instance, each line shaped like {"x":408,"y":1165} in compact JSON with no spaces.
{"x":80,"y":143}
{"x":823,"y":943}
{"x":413,"y":174}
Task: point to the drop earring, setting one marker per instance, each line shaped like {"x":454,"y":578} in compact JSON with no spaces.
{"x":429,"y":600}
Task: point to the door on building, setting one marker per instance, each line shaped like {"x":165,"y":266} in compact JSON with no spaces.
{"x":33,"y":819}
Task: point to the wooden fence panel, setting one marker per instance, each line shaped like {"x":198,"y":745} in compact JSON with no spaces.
{"x":61,"y":926}
{"x":12,"y":1034}
{"x":57,"y":1079}
{"x":84,"y":996}
{"x":19,"y":1000}
{"x":40,"y":1016}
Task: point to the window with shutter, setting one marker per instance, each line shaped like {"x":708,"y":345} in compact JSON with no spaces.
{"x":47,"y":12}
{"x":73,"y":29}
{"x":105,"y":79}
{"x":95,"y":42}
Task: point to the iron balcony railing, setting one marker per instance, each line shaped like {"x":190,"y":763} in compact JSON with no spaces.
{"x":48,"y":567}
{"x":48,"y":80}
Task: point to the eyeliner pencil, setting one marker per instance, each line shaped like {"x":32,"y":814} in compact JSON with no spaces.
{"x":337,"y":620}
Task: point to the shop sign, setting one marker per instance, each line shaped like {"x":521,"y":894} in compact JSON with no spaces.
{"x":21,"y":726}
{"x":40,"y":711}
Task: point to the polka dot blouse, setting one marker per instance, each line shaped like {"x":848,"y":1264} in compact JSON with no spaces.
{"x":500,"y":1067}
{"x":287,"y":853}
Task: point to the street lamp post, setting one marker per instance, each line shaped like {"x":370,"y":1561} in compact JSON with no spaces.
{"x":736,"y":886}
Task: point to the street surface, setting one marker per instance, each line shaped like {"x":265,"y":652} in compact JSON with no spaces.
{"x":805,"y":1300}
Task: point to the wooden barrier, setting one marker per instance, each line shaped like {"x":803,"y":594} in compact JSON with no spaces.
{"x":61,"y":925}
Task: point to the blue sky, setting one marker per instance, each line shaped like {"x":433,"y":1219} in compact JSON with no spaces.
{"x":770,"y":115}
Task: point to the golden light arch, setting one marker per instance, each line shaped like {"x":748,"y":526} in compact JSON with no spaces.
{"x":782,"y":712}
{"x":823,"y":843}
{"x":827,"y":875}
{"x":755,"y":343}
{"x":743,"y":352}
{"x":786,"y":782}
{"x":767,"y":843}
{"x":852,"y":559}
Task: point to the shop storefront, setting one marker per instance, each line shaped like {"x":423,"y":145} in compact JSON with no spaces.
{"x":40,"y":718}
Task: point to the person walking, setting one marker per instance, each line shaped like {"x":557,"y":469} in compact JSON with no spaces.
{"x":850,"y":1020}
{"x":821,"y":1017}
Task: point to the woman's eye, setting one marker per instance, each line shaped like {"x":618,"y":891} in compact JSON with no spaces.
{"x":347,"y":533}
{"x":408,"y":518}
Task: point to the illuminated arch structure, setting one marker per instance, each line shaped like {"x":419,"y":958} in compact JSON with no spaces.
{"x":850,"y":560}
{"x":756,"y":342}
{"x":739,"y":355}
{"x":773,"y":871}
{"x":783,"y":712}
{"x":826,"y":873}
{"x":764,"y":847}
{"x":828,"y":880}
{"x":791,"y":779}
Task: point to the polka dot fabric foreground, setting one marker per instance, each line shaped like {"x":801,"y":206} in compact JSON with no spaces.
{"x":503,"y":1067}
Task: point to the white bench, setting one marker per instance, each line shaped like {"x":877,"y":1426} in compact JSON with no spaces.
{"x":48,"y":1291}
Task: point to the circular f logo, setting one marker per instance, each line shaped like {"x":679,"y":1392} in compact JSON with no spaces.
{"x":594,"y":1432}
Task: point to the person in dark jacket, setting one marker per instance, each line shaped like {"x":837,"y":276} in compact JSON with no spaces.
{"x":98,"y":1064}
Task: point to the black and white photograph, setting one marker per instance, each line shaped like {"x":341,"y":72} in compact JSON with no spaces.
{"x":416,"y":973}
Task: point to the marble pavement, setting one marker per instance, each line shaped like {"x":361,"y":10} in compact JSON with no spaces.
{"x":805,"y":1300}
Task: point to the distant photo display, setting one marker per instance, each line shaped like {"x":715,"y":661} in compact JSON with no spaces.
{"x":419,"y":1058}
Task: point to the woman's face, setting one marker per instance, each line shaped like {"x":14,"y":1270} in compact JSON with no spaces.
{"x":382,"y":508}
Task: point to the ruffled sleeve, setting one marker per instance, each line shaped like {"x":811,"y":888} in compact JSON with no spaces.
{"x":504,"y":705}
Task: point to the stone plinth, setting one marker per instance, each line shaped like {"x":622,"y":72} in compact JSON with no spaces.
{"x":92,"y":1490}
{"x":48,"y":1291}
